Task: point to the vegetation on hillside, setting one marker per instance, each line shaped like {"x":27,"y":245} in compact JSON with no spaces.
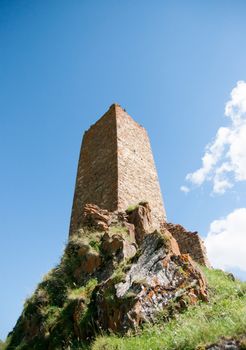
{"x":47,"y":320}
{"x":204,"y":323}
{"x":100,"y":283}
{"x":223,"y":315}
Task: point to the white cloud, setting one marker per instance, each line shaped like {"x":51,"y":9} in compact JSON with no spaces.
{"x":226,"y":241}
{"x":224,"y":161}
{"x":184,"y":189}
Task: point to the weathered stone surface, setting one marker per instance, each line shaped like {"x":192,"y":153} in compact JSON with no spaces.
{"x":111,"y":245}
{"x":189,"y":243}
{"x":131,"y":232}
{"x":97,"y":172}
{"x":173,"y":245}
{"x":118,"y":245}
{"x":137,"y":175}
{"x":89,"y":264}
{"x":108,"y":281}
{"x":141,"y":218}
{"x":151,"y":283}
{"x":116,"y":168}
{"x":95,"y":217}
{"x":228,"y":344}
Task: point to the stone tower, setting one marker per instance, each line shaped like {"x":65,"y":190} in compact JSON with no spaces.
{"x":116,"y":168}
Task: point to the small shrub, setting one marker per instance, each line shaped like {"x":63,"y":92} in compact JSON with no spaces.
{"x":83,"y":292}
{"x":110,"y":296}
{"x":51,"y":315}
{"x":62,"y":333}
{"x":95,"y":245}
{"x":131,"y":208}
{"x":118,"y":276}
{"x":57,"y":290}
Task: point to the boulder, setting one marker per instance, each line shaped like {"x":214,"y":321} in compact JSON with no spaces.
{"x":90,"y":261}
{"x":141,"y":218}
{"x":118,"y":246}
{"x":173,"y":245}
{"x":95,"y":217}
{"x":130,"y":232}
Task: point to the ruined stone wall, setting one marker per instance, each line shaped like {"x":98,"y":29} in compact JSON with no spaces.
{"x":137,"y":175}
{"x":97,"y":172}
{"x":189,"y":243}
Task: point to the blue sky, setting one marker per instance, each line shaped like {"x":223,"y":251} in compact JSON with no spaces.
{"x":171,"y":64}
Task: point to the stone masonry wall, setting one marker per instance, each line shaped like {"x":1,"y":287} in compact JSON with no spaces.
{"x":189,"y":243}
{"x":116,"y":168}
{"x":137,"y":175}
{"x":97,"y":172}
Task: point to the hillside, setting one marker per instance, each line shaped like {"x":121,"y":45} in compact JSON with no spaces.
{"x":196,"y":326}
{"x":119,"y":286}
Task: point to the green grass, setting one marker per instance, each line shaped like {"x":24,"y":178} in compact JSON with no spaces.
{"x":59,"y":297}
{"x":95,"y":244}
{"x":117,"y":229}
{"x":131,"y":208}
{"x":83,"y":292}
{"x":223,"y":315}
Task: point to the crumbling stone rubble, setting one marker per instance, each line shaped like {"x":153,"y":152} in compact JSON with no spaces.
{"x":189,"y":243}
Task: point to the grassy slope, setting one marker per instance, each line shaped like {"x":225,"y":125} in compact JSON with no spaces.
{"x":224,"y":315}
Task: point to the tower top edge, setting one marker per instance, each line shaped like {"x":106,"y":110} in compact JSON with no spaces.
{"x":114,"y":111}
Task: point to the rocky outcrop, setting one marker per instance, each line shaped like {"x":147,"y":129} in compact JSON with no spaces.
{"x":140,"y":217}
{"x":118,"y":246}
{"x":93,"y":216}
{"x":154,"y":280}
{"x":173,"y":245}
{"x":90,"y":261}
{"x":116,"y":274}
